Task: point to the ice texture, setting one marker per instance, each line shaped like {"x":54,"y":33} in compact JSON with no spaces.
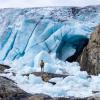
{"x":51,"y":34}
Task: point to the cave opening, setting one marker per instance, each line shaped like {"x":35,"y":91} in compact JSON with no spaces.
{"x":71,"y":47}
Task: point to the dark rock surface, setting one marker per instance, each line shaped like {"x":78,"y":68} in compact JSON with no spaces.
{"x":90,"y":58}
{"x":46,"y":74}
{"x":40,"y":97}
{"x":10,"y":91}
{"x":3,"y":67}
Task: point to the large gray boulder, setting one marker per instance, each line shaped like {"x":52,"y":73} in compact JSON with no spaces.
{"x":10,"y":91}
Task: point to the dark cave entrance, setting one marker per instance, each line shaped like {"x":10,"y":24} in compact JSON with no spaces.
{"x":77,"y":42}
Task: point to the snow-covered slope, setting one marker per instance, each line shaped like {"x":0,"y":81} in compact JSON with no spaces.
{"x":31,"y":34}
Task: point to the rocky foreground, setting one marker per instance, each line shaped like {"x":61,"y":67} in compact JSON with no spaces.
{"x":10,"y":91}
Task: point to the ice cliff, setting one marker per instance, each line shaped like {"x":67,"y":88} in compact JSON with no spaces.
{"x":24,"y":33}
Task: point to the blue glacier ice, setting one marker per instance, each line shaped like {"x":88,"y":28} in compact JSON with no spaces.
{"x":26,"y":32}
{"x":74,"y":43}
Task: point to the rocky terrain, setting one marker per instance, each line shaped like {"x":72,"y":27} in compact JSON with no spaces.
{"x":90,"y":58}
{"x":9,"y":89}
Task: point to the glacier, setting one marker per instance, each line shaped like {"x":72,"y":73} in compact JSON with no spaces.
{"x":43,"y":29}
{"x":53,"y":34}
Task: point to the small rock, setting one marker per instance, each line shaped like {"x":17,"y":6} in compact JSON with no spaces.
{"x":3,"y":67}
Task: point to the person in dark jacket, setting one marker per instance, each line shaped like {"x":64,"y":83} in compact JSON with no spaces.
{"x":42,"y":65}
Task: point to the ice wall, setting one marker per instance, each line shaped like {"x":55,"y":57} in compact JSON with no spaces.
{"x":26,"y":32}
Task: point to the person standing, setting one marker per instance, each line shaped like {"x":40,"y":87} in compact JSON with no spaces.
{"x":42,"y":65}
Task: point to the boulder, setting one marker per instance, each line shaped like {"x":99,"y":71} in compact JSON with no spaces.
{"x":95,"y":97}
{"x":90,"y":58}
{"x":10,"y":91}
{"x":3,"y":67}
